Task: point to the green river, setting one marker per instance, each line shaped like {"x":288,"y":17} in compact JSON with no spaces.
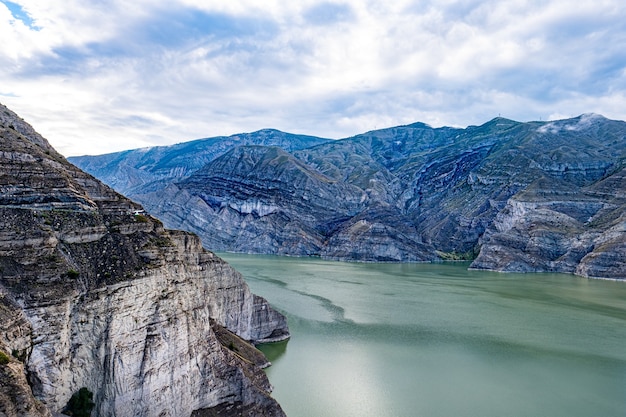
{"x":437,"y":340}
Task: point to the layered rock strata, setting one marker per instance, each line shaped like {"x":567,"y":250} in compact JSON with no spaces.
{"x":555,"y":227}
{"x":537,"y":196}
{"x":97,"y":294}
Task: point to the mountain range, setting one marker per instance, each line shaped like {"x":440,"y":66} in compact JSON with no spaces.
{"x":507,"y":195}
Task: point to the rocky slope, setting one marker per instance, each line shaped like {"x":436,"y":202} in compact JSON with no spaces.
{"x":415,"y":193}
{"x":135,"y":171}
{"x":559,"y":227}
{"x":94,"y":295}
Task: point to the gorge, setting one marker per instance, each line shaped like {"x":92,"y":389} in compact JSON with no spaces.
{"x":95,"y":293}
{"x":510,"y":196}
{"x":439,"y":340}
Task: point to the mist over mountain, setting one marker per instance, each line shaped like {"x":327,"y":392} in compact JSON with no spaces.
{"x":511,"y":196}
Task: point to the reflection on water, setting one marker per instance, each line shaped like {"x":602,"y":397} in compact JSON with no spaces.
{"x":274,"y":351}
{"x":438,"y":340}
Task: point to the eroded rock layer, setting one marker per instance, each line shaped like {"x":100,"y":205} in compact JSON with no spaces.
{"x":95,"y":293}
{"x":536,"y":196}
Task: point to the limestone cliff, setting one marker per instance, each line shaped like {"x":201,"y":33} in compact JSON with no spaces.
{"x":94,"y":293}
{"x":16,"y":397}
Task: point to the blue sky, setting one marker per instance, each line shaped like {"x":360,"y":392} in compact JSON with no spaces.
{"x":103,"y":76}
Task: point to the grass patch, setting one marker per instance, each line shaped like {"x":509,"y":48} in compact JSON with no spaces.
{"x":458,"y":256}
{"x":141,"y":218}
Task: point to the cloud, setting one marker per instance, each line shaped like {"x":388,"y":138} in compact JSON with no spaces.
{"x":109,"y":75}
{"x":328,"y":13}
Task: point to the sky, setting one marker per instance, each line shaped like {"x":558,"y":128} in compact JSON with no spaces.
{"x":99,"y":76}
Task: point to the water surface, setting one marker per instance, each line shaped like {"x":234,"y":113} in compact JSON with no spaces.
{"x":410,"y":340}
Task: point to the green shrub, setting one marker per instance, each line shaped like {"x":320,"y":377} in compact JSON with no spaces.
{"x":73,"y":274}
{"x":141,"y":218}
{"x":81,"y":404}
{"x":4,"y":358}
{"x":19,"y":355}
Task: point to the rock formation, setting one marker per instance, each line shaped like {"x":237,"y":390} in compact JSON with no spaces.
{"x":537,"y":196}
{"x":95,"y":293}
{"x":560,"y":227}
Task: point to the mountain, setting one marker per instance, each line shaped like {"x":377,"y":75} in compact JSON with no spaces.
{"x":417,"y":193}
{"x":96,"y":294}
{"x":134,"y":171}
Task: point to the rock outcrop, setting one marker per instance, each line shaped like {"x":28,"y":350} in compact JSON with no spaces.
{"x":555,"y":226}
{"x":95,"y":293}
{"x":414,"y":193}
{"x":16,"y":397}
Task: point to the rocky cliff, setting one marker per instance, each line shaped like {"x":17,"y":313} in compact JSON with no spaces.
{"x":560,"y":227}
{"x":536,"y":196}
{"x":94,"y":293}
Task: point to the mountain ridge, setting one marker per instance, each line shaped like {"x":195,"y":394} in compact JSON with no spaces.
{"x":159,"y":163}
{"x":427,"y":194}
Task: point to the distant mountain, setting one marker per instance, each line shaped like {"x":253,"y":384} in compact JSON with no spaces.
{"x":537,"y":196}
{"x":131,"y":172}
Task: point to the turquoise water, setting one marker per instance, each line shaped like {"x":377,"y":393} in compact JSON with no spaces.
{"x":410,"y":340}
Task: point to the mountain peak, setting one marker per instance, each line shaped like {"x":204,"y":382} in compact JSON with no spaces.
{"x":10,"y":120}
{"x":575,"y":124}
{"x":502,"y":121}
{"x":419,"y":125}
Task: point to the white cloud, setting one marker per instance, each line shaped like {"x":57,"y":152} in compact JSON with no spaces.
{"x":110,"y":75}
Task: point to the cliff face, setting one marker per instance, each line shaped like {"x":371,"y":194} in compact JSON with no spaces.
{"x":95,"y":295}
{"x":16,"y":397}
{"x":560,"y":227}
{"x":537,"y":196}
